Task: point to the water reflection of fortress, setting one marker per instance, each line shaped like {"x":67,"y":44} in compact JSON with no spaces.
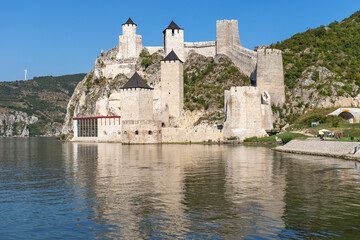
{"x":178,"y":183}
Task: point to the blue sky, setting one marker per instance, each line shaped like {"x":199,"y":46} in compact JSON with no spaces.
{"x":51,"y":37}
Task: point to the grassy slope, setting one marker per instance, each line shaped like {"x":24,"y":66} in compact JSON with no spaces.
{"x":285,"y":137}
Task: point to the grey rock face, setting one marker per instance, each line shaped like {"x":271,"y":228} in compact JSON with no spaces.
{"x":16,"y":123}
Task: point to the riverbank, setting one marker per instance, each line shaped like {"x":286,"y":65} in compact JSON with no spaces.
{"x":346,"y":150}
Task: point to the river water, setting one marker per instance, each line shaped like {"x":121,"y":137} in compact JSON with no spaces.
{"x":55,"y":190}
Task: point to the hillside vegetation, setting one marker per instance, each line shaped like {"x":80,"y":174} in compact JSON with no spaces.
{"x":321,"y":67}
{"x":206,"y":79}
{"x":43,"y":97}
{"x":336,"y":47}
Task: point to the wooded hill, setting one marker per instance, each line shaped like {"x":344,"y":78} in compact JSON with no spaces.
{"x":43,"y":97}
{"x":321,"y":67}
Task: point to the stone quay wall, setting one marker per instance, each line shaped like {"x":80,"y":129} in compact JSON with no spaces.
{"x":323,"y":148}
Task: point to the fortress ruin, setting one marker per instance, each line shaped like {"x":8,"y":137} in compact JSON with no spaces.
{"x":155,"y":114}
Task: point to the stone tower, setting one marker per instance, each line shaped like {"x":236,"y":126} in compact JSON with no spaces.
{"x":227,"y":35}
{"x":270,"y":74}
{"x":130,"y":44}
{"x":136,"y":100}
{"x":243,"y":113}
{"x":174,"y":40}
{"x":172,"y":84}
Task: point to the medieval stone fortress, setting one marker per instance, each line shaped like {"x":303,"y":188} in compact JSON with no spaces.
{"x":153,"y":112}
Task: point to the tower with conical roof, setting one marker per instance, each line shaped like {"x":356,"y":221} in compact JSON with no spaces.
{"x":174,"y":40}
{"x":130,"y":44}
{"x":136,"y":99}
{"x":172,"y":84}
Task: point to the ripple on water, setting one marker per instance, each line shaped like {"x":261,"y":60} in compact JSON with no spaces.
{"x":110,"y":191}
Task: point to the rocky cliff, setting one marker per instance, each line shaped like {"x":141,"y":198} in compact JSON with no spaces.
{"x":15,"y":123}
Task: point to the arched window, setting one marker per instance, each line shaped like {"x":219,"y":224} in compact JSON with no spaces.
{"x":150,"y":132}
{"x":136,"y":132}
{"x":162,"y":124}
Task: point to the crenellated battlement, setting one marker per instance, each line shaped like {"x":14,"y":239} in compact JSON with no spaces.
{"x":226,"y":21}
{"x":269,"y":51}
{"x":135,"y":90}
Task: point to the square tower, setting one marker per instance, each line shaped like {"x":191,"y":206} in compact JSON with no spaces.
{"x":130,"y":44}
{"x":136,"y":100}
{"x":227,"y":35}
{"x":174,"y":40}
{"x":172,"y":84}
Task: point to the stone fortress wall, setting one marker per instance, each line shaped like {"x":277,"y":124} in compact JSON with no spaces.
{"x":264,"y":66}
{"x":147,"y":118}
{"x":207,"y":49}
{"x":139,"y":132}
{"x":153,"y":50}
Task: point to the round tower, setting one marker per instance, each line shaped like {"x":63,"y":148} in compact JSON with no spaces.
{"x":174,"y":40}
{"x":270,"y":74}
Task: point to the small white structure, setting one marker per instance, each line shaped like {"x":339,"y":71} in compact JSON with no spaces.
{"x":352,"y":115}
{"x":104,"y":128}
